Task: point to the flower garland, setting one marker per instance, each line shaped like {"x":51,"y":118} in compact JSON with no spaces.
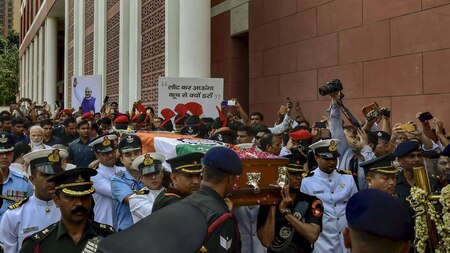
{"x":423,"y":207}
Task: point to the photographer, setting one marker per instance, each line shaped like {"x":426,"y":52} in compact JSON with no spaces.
{"x":354,"y":148}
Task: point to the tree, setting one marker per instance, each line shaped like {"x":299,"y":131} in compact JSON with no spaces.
{"x":9,"y":67}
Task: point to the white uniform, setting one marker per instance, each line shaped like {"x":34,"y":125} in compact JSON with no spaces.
{"x":247,"y":217}
{"x":334,"y":190}
{"x":141,"y":205}
{"x":104,"y":207}
{"x":25,"y":220}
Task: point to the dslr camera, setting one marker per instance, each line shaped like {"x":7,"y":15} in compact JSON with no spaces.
{"x":331,"y":87}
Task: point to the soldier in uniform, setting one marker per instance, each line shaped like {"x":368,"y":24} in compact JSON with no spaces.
{"x":105,"y":151}
{"x":185,"y":177}
{"x":152,"y":174}
{"x":220,"y":168}
{"x":295,"y":224}
{"x":14,"y":186}
{"x":34,"y":213}
{"x":125,"y":182}
{"x":74,"y":233}
{"x":377,"y":222}
{"x":333,"y":187}
{"x":381,"y":173}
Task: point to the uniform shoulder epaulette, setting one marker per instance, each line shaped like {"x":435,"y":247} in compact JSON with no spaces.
{"x":41,"y":235}
{"x":19,"y":175}
{"x":120,"y":173}
{"x":172,"y":194}
{"x":18,"y":204}
{"x":142,"y":191}
{"x":104,"y":228}
{"x":309,"y":174}
{"x":344,"y":172}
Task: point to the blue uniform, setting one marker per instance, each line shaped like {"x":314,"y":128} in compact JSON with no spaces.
{"x":17,"y":187}
{"x":334,"y":190}
{"x":122,"y":185}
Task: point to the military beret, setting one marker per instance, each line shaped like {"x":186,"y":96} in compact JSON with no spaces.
{"x":223,"y":159}
{"x":406,"y":147}
{"x":300,"y":135}
{"x":179,"y":227}
{"x":87,"y":115}
{"x":382,"y":164}
{"x":180,"y":119}
{"x":121,"y":119}
{"x":379,"y":213}
{"x":188,"y":163}
{"x":130,"y":142}
{"x":446,"y":151}
{"x":148,"y":163}
{"x":190,"y":130}
{"x":382,"y":135}
{"x":6,"y":142}
{"x":296,"y":162}
{"x":326,"y":148}
{"x":47,"y":161}
{"x":75,"y":182}
{"x":104,"y":143}
{"x":21,"y":149}
{"x":66,"y":111}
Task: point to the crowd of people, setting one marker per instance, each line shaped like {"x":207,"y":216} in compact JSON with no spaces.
{"x":71,"y":178}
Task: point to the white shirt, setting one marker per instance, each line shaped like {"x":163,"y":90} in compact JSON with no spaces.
{"x":17,"y":167}
{"x":25,"y":220}
{"x":104,"y":208}
{"x":141,"y":205}
{"x":39,"y":146}
{"x":334,"y":190}
{"x":247,"y":217}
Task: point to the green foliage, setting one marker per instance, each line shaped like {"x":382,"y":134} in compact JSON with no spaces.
{"x":9,"y":67}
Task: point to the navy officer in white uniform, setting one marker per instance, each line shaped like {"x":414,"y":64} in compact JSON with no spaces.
{"x":35,"y":213}
{"x":334,"y":188}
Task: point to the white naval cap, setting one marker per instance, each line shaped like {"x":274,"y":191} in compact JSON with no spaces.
{"x":104,"y":143}
{"x":326,"y":148}
{"x":47,"y":161}
{"x":148,"y":163}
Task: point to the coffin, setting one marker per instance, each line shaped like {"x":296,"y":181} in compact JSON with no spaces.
{"x":268,"y":193}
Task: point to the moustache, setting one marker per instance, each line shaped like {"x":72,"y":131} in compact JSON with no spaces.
{"x":79,"y":209}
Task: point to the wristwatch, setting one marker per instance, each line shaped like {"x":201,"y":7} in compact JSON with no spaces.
{"x":286,"y":212}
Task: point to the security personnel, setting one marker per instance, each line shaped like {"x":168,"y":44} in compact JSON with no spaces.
{"x":14,"y":186}
{"x":151,"y":173}
{"x":220,"y":168}
{"x":333,"y":187}
{"x":295,"y":224}
{"x":377,"y":222}
{"x":105,"y":151}
{"x":180,"y":228}
{"x":32,"y":214}
{"x":185,"y":177}
{"x":125,"y":182}
{"x":74,"y":232}
{"x":381,"y":173}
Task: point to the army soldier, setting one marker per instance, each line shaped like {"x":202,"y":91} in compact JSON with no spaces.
{"x":220,"y":168}
{"x":185,"y":177}
{"x":105,"y":151}
{"x":333,"y":187}
{"x":381,"y":173}
{"x":74,"y":232}
{"x":377,"y":222}
{"x":14,"y":186}
{"x":32,"y":214}
{"x":296,"y":223}
{"x":124,"y":183}
{"x":152,"y":174}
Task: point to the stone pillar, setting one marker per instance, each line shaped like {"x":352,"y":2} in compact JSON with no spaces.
{"x":195,"y":38}
{"x":50,"y":60}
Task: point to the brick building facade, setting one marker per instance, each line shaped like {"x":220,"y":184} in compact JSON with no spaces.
{"x":392,"y":52}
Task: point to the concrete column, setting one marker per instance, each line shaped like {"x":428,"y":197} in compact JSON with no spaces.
{"x":25,"y":73}
{"x":195,"y":38}
{"x":135,"y":53}
{"x":78,"y":38}
{"x":22,"y":73}
{"x":124,"y":57}
{"x":35,"y":68}
{"x":50,"y":60}
{"x":100,"y":40}
{"x":41,"y":86}
{"x":172,"y":38}
{"x":67,"y":78}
